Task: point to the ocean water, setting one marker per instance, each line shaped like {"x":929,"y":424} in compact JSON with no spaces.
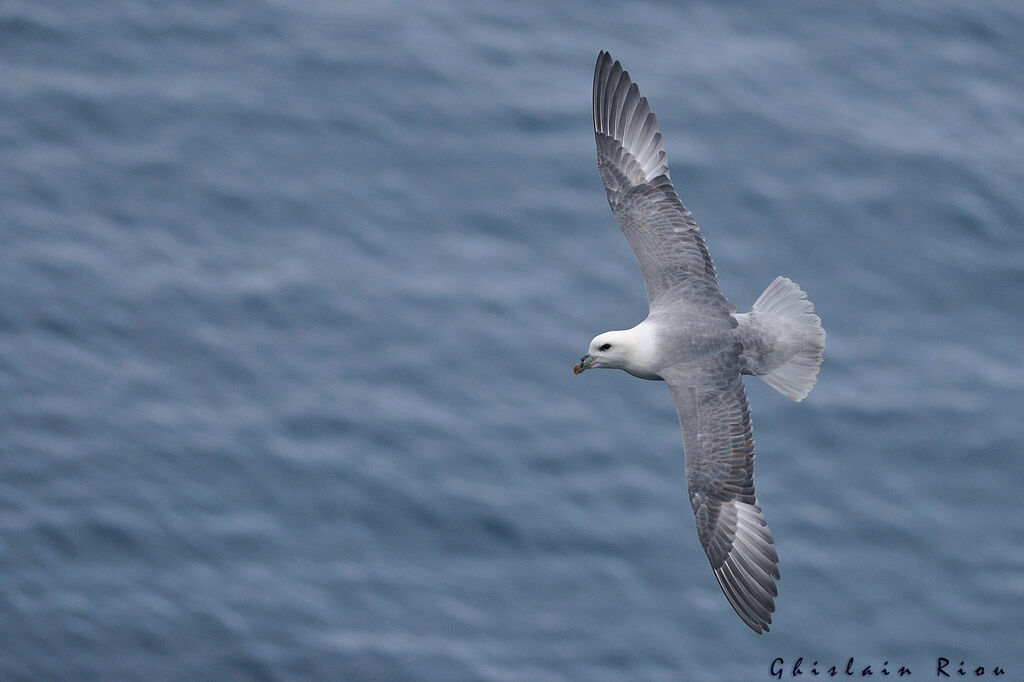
{"x":290,"y":294}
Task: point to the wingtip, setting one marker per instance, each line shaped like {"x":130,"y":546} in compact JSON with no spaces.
{"x":623,"y":114}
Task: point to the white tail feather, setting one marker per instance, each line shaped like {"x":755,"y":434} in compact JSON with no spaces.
{"x":792,"y":339}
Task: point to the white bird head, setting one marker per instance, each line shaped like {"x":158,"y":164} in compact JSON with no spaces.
{"x":630,"y":349}
{"x":610,"y":350}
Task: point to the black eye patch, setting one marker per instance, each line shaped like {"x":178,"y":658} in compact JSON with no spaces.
{"x":605,"y":346}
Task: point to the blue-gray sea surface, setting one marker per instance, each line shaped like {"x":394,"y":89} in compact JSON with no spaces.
{"x":290,"y":294}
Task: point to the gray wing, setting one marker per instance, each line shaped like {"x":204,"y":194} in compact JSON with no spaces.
{"x":631,"y":158}
{"x":719,"y":446}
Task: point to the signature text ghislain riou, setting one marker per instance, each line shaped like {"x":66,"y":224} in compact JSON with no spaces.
{"x":943,"y":669}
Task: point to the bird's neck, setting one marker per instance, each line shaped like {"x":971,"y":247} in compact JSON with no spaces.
{"x":642,"y":356}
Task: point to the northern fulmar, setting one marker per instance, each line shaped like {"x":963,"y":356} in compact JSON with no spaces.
{"x":695,"y":341}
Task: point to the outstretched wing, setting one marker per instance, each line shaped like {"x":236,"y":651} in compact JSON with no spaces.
{"x":719,"y":448}
{"x":631,"y":158}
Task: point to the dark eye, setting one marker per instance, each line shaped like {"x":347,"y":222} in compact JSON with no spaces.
{"x":605,"y":346}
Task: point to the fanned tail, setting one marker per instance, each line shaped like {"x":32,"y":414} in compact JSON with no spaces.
{"x":785,"y":340}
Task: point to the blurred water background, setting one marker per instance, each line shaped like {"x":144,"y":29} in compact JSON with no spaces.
{"x":290,"y":293}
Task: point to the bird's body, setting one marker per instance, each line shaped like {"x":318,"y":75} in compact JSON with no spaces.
{"x":694,"y":340}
